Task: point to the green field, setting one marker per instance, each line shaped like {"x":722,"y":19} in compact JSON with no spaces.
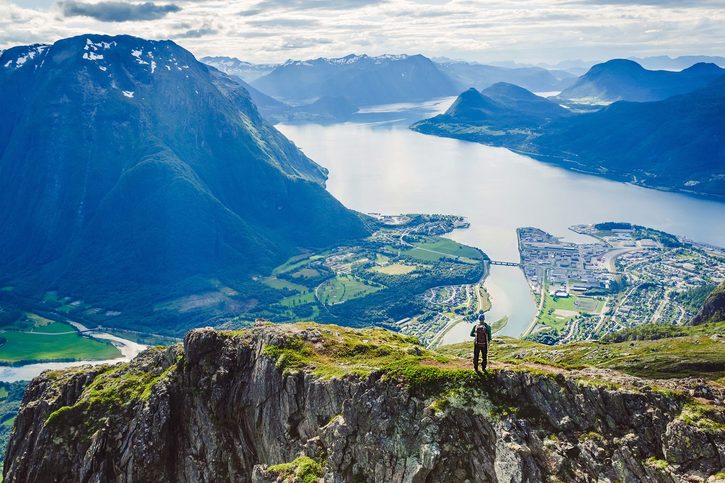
{"x":291,"y":264}
{"x":297,"y":262}
{"x":437,"y":248}
{"x":53,"y":328}
{"x":344,"y":287}
{"x":589,"y":304}
{"x":301,"y":299}
{"x":571,"y":303}
{"x":564,"y":303}
{"x":381,"y":259}
{"x":28,"y":346}
{"x":306,"y":272}
{"x":66,"y":309}
{"x":279,"y":284}
{"x":551,"y":304}
{"x":395,"y":269}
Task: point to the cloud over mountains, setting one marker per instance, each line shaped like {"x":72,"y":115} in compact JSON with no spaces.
{"x":116,"y":11}
{"x":531,"y":31}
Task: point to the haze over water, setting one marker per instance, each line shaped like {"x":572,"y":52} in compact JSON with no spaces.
{"x":387,"y":168}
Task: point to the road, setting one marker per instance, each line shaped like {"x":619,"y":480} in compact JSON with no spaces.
{"x":534,"y":321}
{"x":611,"y":256}
{"x":602,"y":316}
{"x":439,"y":335}
{"x":658,"y":311}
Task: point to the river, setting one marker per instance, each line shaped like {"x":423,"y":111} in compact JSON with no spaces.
{"x":378,"y":165}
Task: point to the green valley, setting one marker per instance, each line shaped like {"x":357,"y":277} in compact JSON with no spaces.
{"x":378,"y":280}
{"x":28,"y":337}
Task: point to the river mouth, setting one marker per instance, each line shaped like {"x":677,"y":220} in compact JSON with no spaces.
{"x":382,"y":166}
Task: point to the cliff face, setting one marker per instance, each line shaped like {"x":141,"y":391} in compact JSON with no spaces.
{"x":713,"y":310}
{"x":342,"y":405}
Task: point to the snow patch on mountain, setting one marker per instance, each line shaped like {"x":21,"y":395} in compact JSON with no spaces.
{"x":32,"y":52}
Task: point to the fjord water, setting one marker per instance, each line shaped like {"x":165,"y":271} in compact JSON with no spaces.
{"x":385,"y":167}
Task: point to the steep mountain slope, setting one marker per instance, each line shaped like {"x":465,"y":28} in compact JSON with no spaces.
{"x":502,"y":114}
{"x":303,"y":402}
{"x":324,"y":109}
{"x":620,"y":79}
{"x":518,"y":99}
{"x":270,"y":108}
{"x":363,"y":80}
{"x":130,"y":172}
{"x":472,"y":105}
{"x":480,"y":76}
{"x":675,"y":144}
{"x":713,"y":309}
{"x":503,"y":104}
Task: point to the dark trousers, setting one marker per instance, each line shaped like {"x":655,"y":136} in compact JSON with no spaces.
{"x":482,"y":351}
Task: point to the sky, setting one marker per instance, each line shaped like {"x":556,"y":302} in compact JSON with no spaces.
{"x":524,"y":31}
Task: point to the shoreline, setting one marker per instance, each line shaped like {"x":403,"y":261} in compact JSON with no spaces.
{"x":570,"y":165}
{"x":28,"y":371}
{"x":454,"y":322}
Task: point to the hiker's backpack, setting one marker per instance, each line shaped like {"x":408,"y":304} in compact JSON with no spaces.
{"x":481,"y":335}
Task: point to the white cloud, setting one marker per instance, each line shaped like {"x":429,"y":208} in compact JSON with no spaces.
{"x":487,"y":30}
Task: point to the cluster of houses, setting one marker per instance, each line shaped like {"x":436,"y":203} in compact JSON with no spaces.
{"x":566,"y":266}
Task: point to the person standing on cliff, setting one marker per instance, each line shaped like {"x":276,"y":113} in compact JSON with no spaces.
{"x":482,"y":334}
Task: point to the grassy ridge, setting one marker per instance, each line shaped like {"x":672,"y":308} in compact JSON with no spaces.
{"x":647,"y":351}
{"x":361,"y":352}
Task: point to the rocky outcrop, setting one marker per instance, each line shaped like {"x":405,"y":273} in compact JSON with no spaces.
{"x":272,"y":403}
{"x":713,"y":310}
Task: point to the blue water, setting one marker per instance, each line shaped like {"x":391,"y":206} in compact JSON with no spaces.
{"x":385,"y":167}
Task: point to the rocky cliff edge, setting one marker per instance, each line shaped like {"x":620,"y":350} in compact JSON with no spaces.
{"x":308,"y":402}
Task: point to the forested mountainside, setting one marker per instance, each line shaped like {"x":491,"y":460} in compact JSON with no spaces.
{"x":626,"y":80}
{"x":152,"y":177}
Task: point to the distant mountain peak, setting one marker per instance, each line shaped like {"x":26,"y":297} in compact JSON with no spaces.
{"x":363,"y":79}
{"x":618,"y":63}
{"x":117,"y":59}
{"x":244,"y":70}
{"x":349,"y":59}
{"x":507,"y":87}
{"x":500,"y":102}
{"x":702,"y":67}
{"x":231,"y":61}
{"x":623,"y":79}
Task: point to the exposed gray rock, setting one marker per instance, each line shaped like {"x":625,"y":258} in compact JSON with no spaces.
{"x":219,"y":409}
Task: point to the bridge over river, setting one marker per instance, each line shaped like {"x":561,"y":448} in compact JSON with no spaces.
{"x":505,"y":264}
